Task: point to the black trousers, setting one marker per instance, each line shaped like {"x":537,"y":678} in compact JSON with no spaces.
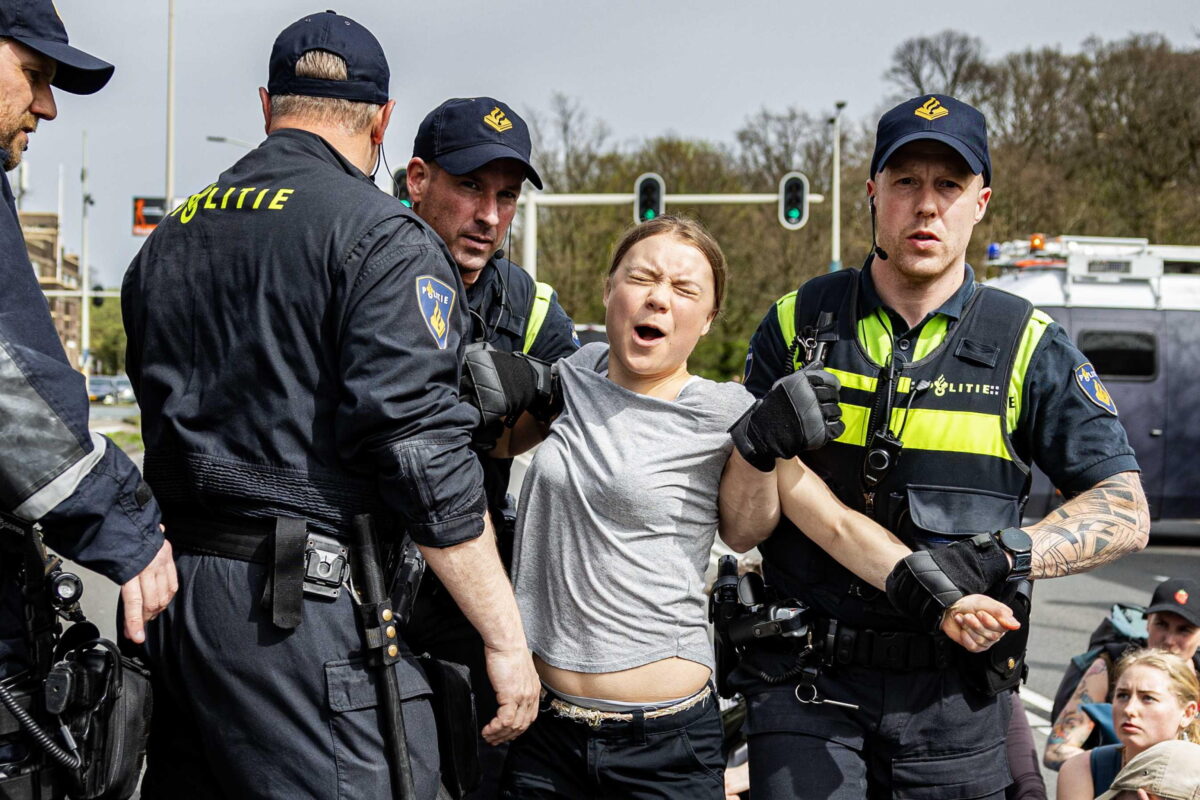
{"x":918,"y":735}
{"x":243,"y":709}
{"x":677,"y":757}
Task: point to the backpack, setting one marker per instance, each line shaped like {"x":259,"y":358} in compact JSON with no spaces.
{"x":1123,"y":629}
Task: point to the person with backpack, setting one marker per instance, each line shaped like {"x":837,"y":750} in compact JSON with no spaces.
{"x":1171,"y":622}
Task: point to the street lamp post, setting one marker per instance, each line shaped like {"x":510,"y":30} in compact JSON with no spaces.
{"x":170,"y":180}
{"x":835,"y":247}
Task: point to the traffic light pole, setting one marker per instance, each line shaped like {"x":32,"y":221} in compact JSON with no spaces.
{"x":532,"y":201}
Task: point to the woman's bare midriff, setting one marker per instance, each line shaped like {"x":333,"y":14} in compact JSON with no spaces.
{"x":667,"y":679}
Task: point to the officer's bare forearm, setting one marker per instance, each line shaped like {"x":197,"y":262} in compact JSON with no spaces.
{"x":1093,"y":528}
{"x":856,"y":542}
{"x":749,"y":504}
{"x":475,"y":577}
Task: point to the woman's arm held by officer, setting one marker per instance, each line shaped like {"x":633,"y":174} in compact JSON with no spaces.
{"x":1073,"y":727}
{"x":475,"y":578}
{"x":871,"y":552}
{"x":977,"y":622}
{"x":1093,"y":528}
{"x":855,"y":541}
{"x":748,"y":503}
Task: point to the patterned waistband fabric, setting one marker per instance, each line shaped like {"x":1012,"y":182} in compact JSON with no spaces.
{"x":595,"y":717}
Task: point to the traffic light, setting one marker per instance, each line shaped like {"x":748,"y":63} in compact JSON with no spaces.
{"x":400,"y":186}
{"x":793,"y":200}
{"x":648,"y":193}
{"x":97,"y":299}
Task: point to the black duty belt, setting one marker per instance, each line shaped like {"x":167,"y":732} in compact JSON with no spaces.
{"x":844,"y":645}
{"x":301,"y":562}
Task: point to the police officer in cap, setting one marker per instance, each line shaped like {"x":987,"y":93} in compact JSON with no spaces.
{"x":951,"y":392}
{"x":86,"y":493}
{"x":295,"y":337}
{"x":470,"y":160}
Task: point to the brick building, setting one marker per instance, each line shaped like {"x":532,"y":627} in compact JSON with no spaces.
{"x":55,"y":272}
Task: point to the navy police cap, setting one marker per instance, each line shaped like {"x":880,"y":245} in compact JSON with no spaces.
{"x":36,"y":24}
{"x":940,"y":118}
{"x":366,"y":65}
{"x":463,"y":134}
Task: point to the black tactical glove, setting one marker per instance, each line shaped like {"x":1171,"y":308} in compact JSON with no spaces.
{"x":503,"y":385}
{"x":801,"y":412}
{"x":928,"y":582}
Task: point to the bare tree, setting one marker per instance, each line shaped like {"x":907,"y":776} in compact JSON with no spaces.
{"x":950,"y":62}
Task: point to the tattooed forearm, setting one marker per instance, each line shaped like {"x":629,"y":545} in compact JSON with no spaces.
{"x":1093,"y":528}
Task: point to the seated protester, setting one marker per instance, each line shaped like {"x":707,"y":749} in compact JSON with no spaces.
{"x":1156,"y":699}
{"x":618,"y":512}
{"x":1166,"y":771}
{"x":1173,"y":624}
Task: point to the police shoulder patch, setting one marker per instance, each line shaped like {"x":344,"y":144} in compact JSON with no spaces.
{"x":436,"y":298}
{"x":1089,"y":382}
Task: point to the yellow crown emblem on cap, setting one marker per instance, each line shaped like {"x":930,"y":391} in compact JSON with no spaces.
{"x":497,"y":121}
{"x":931,"y":109}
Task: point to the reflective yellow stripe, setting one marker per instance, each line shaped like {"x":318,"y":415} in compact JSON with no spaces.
{"x":932,"y":429}
{"x":537,"y":314}
{"x":856,"y":419}
{"x":875,"y":334}
{"x":785,"y":313}
{"x":1034,"y":330}
{"x":932,"y":336}
{"x":867,"y":383}
{"x":951,"y":431}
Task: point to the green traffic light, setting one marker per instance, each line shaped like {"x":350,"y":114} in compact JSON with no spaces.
{"x":407,"y":203}
{"x":648,"y":214}
{"x":793,"y":213}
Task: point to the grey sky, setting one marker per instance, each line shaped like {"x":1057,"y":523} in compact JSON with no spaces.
{"x":646,"y":68}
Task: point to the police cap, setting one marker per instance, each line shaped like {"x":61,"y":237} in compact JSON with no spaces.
{"x":366,"y":65}
{"x":36,"y":24}
{"x":940,"y":118}
{"x":463,"y":134}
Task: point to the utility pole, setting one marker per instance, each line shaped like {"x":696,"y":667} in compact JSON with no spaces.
{"x":170,"y":188}
{"x":85,"y":272}
{"x":835,"y":255}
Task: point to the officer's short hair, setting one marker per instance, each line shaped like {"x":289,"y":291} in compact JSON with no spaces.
{"x":354,"y":117}
{"x":686,"y":230}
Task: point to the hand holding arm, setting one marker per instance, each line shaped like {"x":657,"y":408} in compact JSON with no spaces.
{"x":799,"y":413}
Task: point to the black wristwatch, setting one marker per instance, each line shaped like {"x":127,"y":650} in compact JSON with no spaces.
{"x":1018,"y":544}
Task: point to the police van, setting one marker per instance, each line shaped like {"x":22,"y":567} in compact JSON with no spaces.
{"x":1133,"y":308}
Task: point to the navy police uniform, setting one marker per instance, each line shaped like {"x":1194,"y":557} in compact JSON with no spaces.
{"x":295,"y":336}
{"x":85,"y":492}
{"x":977,"y":392}
{"x":512,"y":313}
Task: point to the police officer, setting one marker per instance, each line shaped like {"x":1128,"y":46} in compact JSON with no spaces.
{"x":470,"y":159}
{"x":294,"y":339}
{"x":86,"y":493}
{"x":950,"y":393}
